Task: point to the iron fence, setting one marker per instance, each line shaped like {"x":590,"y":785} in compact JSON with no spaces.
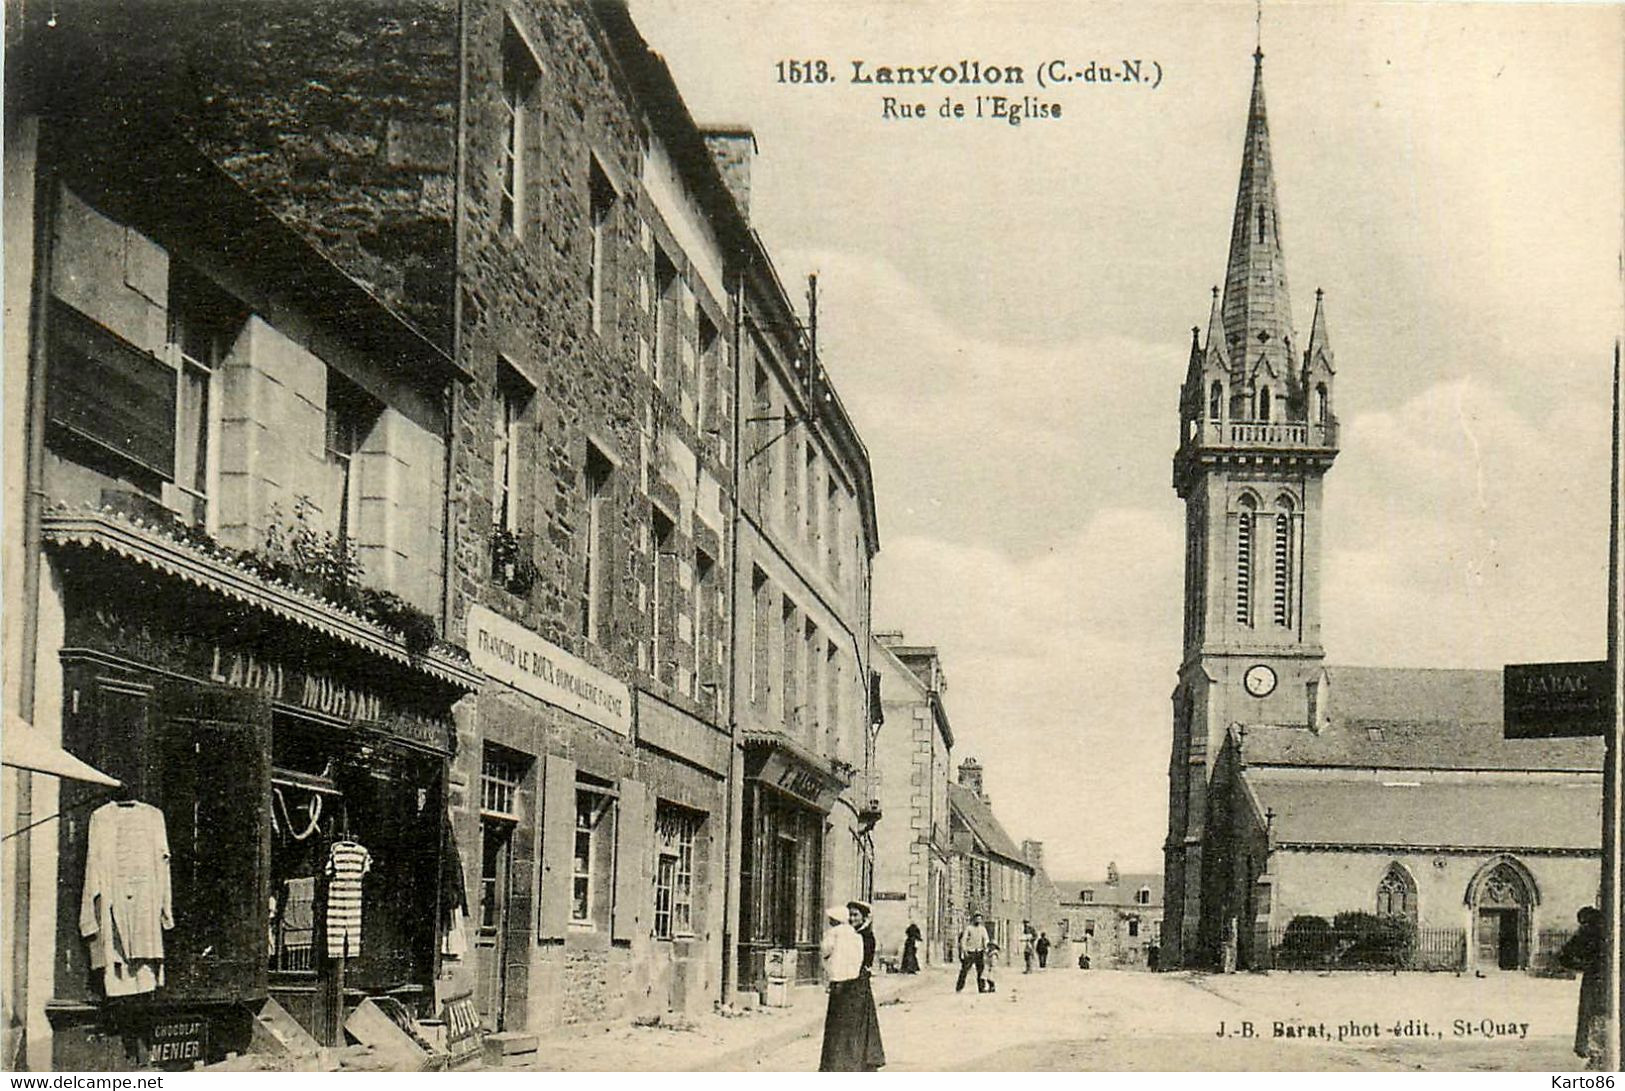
{"x":1543,"y":959}
{"x":1365,"y":949}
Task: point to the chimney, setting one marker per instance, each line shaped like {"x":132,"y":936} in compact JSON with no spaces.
{"x":1033,"y":852}
{"x":733,"y":147}
{"x":970,"y":776}
{"x":1111,"y":873}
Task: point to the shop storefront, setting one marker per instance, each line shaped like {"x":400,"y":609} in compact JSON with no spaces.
{"x":282,"y":827}
{"x":788,"y":795}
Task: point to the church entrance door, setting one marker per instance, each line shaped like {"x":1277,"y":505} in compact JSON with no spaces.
{"x":1498,"y":938}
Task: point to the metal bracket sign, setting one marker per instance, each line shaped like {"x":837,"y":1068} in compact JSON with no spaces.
{"x":1557,"y":700}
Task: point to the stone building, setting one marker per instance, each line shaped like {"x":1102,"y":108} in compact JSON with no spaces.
{"x":1115,"y":921}
{"x":472,"y":309}
{"x":913,"y":851}
{"x":989,"y":875}
{"x":1044,"y":905}
{"x":1297,"y":788}
{"x":231,"y":587}
{"x":806,"y":538}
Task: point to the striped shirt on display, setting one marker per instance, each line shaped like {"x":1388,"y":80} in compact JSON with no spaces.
{"x":347,"y":862}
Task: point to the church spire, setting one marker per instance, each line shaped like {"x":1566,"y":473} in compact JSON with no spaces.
{"x":1257,"y":311}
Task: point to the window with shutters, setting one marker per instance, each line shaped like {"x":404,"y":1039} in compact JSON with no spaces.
{"x":203,"y":324}
{"x":521,"y":139}
{"x":601,"y":197}
{"x":596,"y":480}
{"x":351,"y":415}
{"x":513,"y":395}
{"x":663,"y":580}
{"x":1245,"y":531}
{"x":667,"y":308}
{"x":592,"y":855}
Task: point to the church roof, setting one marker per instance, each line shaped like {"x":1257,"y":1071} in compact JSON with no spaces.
{"x":978,"y":818}
{"x":1405,"y":718}
{"x":1477,"y":814}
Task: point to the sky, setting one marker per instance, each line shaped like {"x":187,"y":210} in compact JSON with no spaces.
{"x":1007,"y":312}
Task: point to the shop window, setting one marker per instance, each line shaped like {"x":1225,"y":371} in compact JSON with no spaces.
{"x":676,"y":831}
{"x":500,"y":778}
{"x":520,"y":139}
{"x":601,"y":197}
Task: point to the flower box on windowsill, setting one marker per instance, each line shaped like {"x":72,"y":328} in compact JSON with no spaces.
{"x":512,"y":561}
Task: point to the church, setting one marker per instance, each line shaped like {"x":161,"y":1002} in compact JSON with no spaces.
{"x":1299,"y":789}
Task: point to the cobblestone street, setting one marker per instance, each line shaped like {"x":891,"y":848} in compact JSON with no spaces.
{"x":1062,"y":1019}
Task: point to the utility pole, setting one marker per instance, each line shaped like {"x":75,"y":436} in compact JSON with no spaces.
{"x":1612,"y":778}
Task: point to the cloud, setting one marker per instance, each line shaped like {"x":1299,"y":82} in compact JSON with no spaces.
{"x":1465,"y":530}
{"x":1059,"y":665}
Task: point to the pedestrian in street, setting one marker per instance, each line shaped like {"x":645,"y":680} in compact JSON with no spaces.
{"x":911,"y":949}
{"x":973,"y":944}
{"x":1042,"y":947}
{"x":1029,"y":947}
{"x":1584,"y":952}
{"x":851,"y":1025}
{"x":992,"y":964}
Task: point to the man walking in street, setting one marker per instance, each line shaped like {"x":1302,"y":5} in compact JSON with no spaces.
{"x":1029,"y":942}
{"x":972,"y":952}
{"x":1042,"y":947}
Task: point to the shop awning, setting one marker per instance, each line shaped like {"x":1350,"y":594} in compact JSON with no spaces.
{"x":24,"y":746}
{"x":216,"y":571}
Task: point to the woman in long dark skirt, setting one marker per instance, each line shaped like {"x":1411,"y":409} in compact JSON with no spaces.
{"x":1584,"y":952}
{"x":911,"y":949}
{"x":851,"y":1027}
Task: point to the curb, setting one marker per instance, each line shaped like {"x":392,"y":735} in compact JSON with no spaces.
{"x":803,"y":1026}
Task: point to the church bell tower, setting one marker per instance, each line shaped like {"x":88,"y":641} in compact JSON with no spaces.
{"x":1257,"y":433}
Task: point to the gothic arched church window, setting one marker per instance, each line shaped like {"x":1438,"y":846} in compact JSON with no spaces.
{"x":1396,"y":894}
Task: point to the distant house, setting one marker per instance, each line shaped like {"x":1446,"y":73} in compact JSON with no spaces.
{"x":990,"y":875}
{"x":1115,"y":921}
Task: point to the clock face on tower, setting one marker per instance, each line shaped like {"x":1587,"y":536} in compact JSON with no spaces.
{"x":1259,"y":680}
